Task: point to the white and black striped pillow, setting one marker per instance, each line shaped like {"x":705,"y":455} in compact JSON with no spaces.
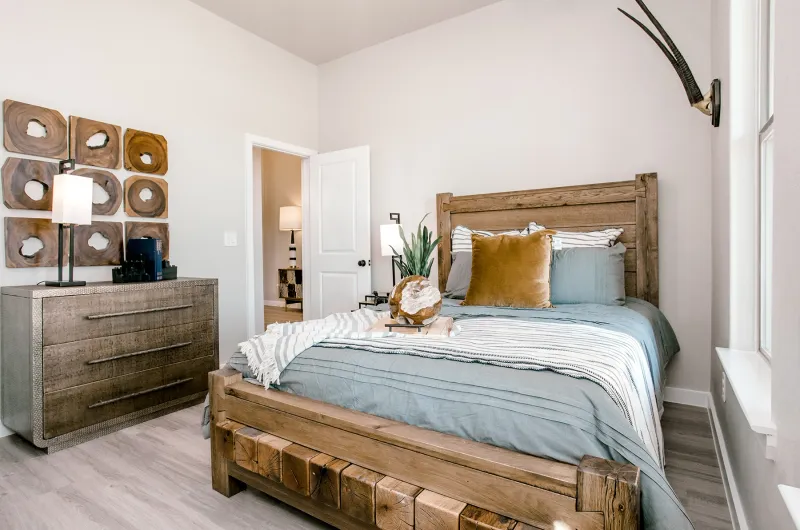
{"x":600,"y":238}
{"x":462,"y":237}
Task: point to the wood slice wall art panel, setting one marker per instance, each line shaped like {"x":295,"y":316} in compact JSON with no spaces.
{"x":154,"y":230}
{"x":16,"y":119}
{"x":87,"y":255}
{"x":84,"y":147}
{"x":156,"y":206}
{"x":109,"y":183}
{"x":19,"y":229}
{"x":146,"y":152}
{"x":17,"y":173}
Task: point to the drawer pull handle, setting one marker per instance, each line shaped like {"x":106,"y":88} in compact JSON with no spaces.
{"x":140,"y":393}
{"x":137,"y":353}
{"x":138,"y":311}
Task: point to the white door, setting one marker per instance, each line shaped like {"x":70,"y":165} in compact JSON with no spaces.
{"x":339,"y":236}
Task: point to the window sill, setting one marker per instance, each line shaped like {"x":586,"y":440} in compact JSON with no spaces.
{"x":791,"y":496}
{"x":750,"y":378}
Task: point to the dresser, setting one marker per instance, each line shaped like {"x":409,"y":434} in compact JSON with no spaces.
{"x":80,"y":362}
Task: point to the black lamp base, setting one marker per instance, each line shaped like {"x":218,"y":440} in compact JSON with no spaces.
{"x":65,"y":284}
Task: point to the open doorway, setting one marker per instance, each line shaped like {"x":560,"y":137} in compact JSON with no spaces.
{"x":277,"y":174}
{"x":281,"y":234}
{"x":335,"y":239}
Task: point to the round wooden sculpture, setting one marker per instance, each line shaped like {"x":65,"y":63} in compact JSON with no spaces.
{"x":139,"y":144}
{"x":18,"y":229}
{"x":155,"y":206}
{"x":88,"y":256}
{"x":17,"y":173}
{"x":415,"y":301}
{"x":110,"y":184}
{"x":18,"y":115}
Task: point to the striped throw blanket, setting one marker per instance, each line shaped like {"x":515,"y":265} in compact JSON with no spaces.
{"x":615,"y":361}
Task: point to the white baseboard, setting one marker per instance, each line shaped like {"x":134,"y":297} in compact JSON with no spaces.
{"x":274,"y":303}
{"x":684,"y":396}
{"x":731,"y":491}
{"x":5,"y":431}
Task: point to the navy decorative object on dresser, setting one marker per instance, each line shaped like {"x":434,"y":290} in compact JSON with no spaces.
{"x":290,"y":286}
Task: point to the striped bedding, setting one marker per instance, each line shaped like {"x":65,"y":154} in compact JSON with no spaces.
{"x":462,"y":237}
{"x":614,"y":360}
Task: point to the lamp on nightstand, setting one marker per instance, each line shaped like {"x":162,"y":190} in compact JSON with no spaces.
{"x":291,"y":219}
{"x":391,"y":241}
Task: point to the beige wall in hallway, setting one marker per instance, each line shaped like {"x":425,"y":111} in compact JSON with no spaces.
{"x":280,"y":186}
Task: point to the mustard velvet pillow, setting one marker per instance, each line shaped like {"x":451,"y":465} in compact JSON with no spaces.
{"x":511,"y":271}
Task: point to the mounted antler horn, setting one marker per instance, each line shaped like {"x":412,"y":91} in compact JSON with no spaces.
{"x":708,"y":104}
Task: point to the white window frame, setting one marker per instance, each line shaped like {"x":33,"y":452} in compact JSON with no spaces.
{"x":766,"y":136}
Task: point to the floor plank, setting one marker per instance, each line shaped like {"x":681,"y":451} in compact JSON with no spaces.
{"x":281,"y":315}
{"x":692,"y":466}
{"x":156,"y":475}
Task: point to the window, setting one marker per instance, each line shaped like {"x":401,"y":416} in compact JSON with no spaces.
{"x":766,"y":140}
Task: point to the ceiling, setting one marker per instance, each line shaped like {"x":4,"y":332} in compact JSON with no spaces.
{"x":322,"y":30}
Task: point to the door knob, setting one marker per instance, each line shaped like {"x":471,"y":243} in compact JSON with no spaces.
{"x":362,"y":263}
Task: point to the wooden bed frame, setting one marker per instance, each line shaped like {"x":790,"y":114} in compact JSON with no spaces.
{"x":354,"y":470}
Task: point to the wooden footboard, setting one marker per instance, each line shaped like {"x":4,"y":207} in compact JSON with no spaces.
{"x":354,"y":470}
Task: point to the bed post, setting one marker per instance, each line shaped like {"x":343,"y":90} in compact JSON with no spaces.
{"x":443,"y":222}
{"x":221,"y":439}
{"x":611,"y":488}
{"x":647,"y":237}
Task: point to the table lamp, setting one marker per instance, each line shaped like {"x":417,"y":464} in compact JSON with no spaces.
{"x":291,"y":219}
{"x":72,"y":205}
{"x":390,"y":239}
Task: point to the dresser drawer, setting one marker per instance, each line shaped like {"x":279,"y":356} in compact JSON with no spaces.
{"x":81,"y":406}
{"x":72,"y":318}
{"x":85,"y":361}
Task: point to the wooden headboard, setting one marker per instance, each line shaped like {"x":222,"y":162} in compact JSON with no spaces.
{"x":631,"y":205}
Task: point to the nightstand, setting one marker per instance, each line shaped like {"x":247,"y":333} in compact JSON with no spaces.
{"x":290,"y":286}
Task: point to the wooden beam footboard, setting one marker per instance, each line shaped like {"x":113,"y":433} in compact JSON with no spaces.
{"x":354,"y":470}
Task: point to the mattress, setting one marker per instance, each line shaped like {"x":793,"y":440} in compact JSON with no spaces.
{"x":535,"y":412}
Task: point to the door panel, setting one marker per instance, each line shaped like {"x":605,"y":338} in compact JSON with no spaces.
{"x":336,"y":290}
{"x":339,"y":213}
{"x":338,"y":222}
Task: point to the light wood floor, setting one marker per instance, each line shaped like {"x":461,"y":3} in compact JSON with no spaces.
{"x":156,"y":476}
{"x":279,"y":314}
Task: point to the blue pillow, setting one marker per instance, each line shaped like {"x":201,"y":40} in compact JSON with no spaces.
{"x":588,"y":276}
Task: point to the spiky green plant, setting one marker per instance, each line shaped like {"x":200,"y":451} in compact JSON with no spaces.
{"x":416,"y":256}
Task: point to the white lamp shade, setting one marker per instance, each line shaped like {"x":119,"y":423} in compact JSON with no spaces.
{"x":291,"y":218}
{"x":72,"y":199}
{"x":390,"y":237}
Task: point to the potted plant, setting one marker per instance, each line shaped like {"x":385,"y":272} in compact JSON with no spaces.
{"x":416,"y":259}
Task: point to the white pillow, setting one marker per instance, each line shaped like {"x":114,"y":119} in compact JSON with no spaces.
{"x":600,"y":238}
{"x":462,"y":237}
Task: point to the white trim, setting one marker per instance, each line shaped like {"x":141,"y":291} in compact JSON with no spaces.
{"x":731,"y":490}
{"x":274,"y":303}
{"x":253,"y":298}
{"x":791,"y":496}
{"x":685,"y":396}
{"x":750,"y":378}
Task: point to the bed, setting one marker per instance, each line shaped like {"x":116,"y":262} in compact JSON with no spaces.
{"x":361,"y":439}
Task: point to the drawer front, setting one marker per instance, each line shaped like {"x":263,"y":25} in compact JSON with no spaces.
{"x":85,"y":361}
{"x":72,"y":318}
{"x":81,"y":406}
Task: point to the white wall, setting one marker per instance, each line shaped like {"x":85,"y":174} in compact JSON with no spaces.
{"x":735,"y":273}
{"x":169,"y":67}
{"x":786,"y":257}
{"x":523,"y":95}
